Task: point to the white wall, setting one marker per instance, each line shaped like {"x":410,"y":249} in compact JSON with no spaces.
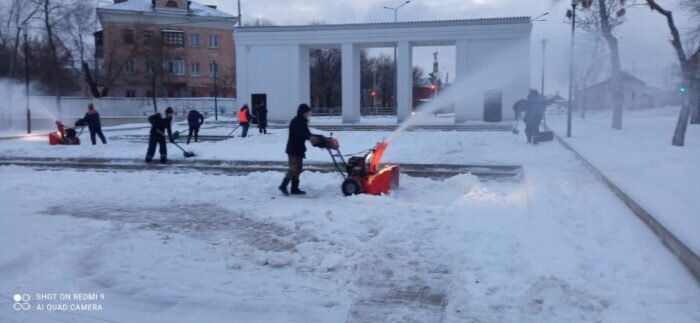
{"x":278,"y":71}
{"x":45,"y":109}
{"x":494,"y":65}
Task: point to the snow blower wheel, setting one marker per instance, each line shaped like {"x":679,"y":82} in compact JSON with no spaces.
{"x":351,"y":186}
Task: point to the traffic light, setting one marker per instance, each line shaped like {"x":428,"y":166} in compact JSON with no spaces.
{"x":373,"y":93}
{"x":682,"y":89}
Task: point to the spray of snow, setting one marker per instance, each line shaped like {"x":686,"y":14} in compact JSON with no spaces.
{"x":456,"y":94}
{"x":13,"y":114}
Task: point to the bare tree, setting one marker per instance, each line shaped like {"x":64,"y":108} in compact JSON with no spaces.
{"x":325,"y":77}
{"x":20,"y":12}
{"x":690,"y":66}
{"x":606,"y":15}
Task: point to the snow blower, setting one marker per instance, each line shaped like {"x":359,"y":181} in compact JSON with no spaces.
{"x":362,"y":173}
{"x":64,"y":136}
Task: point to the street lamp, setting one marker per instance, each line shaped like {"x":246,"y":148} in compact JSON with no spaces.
{"x":544,"y":48}
{"x":216,"y":93}
{"x":574,"y":3}
{"x":395,"y":71}
{"x":26,"y":78}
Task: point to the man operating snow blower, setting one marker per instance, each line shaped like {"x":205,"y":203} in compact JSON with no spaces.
{"x":157,"y":135}
{"x":296,"y":148}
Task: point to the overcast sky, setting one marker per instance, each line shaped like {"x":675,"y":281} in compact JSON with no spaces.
{"x":644,"y":45}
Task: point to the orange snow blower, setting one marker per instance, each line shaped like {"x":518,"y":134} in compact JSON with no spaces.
{"x":64,"y":136}
{"x":362,"y":173}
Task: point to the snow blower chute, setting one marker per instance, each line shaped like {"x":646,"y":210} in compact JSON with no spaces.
{"x":64,"y":136}
{"x":362,"y":173}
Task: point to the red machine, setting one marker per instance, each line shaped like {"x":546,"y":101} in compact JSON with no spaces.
{"x":362,"y":173}
{"x":64,"y":136}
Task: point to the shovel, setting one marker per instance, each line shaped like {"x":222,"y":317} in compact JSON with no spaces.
{"x":515,"y":128}
{"x":185,"y":153}
{"x":234,"y":129}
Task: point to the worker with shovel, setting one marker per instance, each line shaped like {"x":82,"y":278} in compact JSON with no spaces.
{"x":157,"y":135}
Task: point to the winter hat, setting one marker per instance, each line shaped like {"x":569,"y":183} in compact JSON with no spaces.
{"x":303,"y":108}
{"x":168,"y":110}
{"x":90,"y":106}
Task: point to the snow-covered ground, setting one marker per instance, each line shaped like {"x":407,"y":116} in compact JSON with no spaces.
{"x":188,"y":247}
{"x":640,"y":159}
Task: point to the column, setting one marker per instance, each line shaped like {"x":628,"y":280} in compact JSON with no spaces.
{"x":462,"y":71}
{"x":350,"y":76}
{"x":300,"y":75}
{"x":404,"y":81}
{"x":304,"y":75}
{"x":242,"y":82}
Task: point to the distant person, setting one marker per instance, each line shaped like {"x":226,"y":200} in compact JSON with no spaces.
{"x":194,"y":120}
{"x":296,"y":149}
{"x":261,"y":116}
{"x":159,"y":126}
{"x":92,"y":119}
{"x":244,"y":117}
{"x":533,"y":116}
{"x":519,"y":108}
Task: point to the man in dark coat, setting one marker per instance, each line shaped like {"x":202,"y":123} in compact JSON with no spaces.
{"x":261,"y":116}
{"x":194,"y":120}
{"x":244,"y":118}
{"x":159,"y":126}
{"x":533,"y":116}
{"x":92,"y":118}
{"x":296,"y":149}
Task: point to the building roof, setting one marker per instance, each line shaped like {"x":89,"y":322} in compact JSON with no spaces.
{"x":196,"y":9}
{"x":626,"y":78}
{"x":373,"y":25}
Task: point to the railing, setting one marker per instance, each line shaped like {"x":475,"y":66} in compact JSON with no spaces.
{"x":366,"y":111}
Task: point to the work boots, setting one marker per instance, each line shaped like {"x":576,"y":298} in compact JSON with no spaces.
{"x":295,"y":188}
{"x":283,"y":186}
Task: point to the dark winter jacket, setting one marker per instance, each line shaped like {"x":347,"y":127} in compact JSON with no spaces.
{"x":298,"y":134}
{"x":92,"y":118}
{"x":261,"y":115}
{"x":247,"y":113}
{"x":519,"y":108}
{"x":535,"y":109}
{"x":159,"y":125}
{"x":195,"y":119}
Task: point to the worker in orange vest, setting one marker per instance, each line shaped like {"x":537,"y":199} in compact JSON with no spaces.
{"x":244,"y":117}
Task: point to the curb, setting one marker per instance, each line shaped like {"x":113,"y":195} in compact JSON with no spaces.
{"x":688,"y":258}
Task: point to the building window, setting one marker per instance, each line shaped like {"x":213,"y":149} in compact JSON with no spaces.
{"x":147,"y":37}
{"x":130,"y":93}
{"x":213,"y":41}
{"x":149,"y":93}
{"x":128,"y":36}
{"x":213,"y":69}
{"x":194,"y":94}
{"x":129,"y":66}
{"x":195,"y":69}
{"x":173,"y":37}
{"x":149,"y":67}
{"x":171,"y":4}
{"x":194,"y":40}
{"x":176,"y":66}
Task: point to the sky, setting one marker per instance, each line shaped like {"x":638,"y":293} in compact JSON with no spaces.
{"x":645,"y":50}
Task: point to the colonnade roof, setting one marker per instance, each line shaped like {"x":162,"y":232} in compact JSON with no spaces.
{"x":387,"y":34}
{"x":386,"y":25}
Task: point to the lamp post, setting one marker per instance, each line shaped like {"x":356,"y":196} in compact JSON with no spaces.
{"x":216,"y":92}
{"x":544,"y":48}
{"x":26,"y":78}
{"x":574,"y":3}
{"x":395,"y":71}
